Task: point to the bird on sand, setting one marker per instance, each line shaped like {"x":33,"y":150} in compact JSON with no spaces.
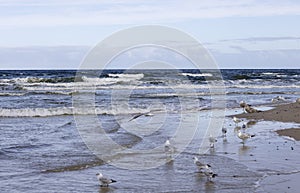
{"x":244,"y":136}
{"x":247,"y":108}
{"x":104,"y":181}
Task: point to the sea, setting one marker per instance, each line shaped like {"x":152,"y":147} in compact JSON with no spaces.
{"x":58,"y":128}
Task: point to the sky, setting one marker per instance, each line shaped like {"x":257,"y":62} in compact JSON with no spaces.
{"x":58,"y":34}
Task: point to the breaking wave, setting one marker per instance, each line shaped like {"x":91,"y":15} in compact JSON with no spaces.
{"x":59,"y":111}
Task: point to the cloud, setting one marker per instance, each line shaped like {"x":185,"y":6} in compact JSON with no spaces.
{"x":17,"y":13}
{"x":261,"y":39}
{"x":38,"y":57}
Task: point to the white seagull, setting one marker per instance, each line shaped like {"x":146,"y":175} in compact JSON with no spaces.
{"x":104,"y":181}
{"x":236,"y":120}
{"x":169,"y":150}
{"x":212,"y":141}
{"x":167,"y":145}
{"x":244,"y":136}
{"x":205,"y":169}
{"x":201,"y":166}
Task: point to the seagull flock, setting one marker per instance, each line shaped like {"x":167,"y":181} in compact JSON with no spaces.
{"x":203,"y":168}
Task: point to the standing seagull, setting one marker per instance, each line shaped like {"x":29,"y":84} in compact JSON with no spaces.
{"x":201,"y":166}
{"x":169,"y":149}
{"x":236,"y":120}
{"x":212,"y":141}
{"x":205,"y":169}
{"x":104,"y":181}
{"x":224,"y":131}
{"x":244,"y":136}
{"x":167,"y":146}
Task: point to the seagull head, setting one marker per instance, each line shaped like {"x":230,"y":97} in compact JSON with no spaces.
{"x":99,"y":174}
{"x":167,"y":142}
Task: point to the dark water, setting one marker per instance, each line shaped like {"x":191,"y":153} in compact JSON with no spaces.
{"x":42,"y":149}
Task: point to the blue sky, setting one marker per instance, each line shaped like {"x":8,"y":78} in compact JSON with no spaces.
{"x":239,"y":34}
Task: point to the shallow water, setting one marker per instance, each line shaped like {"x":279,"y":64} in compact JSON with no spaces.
{"x":51,"y":159}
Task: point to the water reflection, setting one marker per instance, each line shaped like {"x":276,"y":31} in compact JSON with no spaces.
{"x":210,"y":186}
{"x":244,"y":149}
{"x":106,"y":189}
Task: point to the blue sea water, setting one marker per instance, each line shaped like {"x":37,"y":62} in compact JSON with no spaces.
{"x":42,"y":150}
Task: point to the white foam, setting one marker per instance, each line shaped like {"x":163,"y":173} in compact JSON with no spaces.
{"x":128,"y":76}
{"x":197,"y":75}
{"x":45,"y":112}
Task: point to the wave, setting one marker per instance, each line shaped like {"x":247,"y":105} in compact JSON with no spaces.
{"x":50,"y":92}
{"x":12,"y":94}
{"x":60,"y":111}
{"x":41,"y":80}
{"x":262,"y":92}
{"x":127,"y":76}
{"x":197,"y":75}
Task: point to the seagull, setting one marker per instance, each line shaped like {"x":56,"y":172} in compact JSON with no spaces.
{"x":244,"y":136}
{"x":169,"y":149}
{"x":278,"y":99}
{"x":104,"y":181}
{"x":205,"y":169}
{"x":247,"y":108}
{"x":224,"y":131}
{"x":201,"y":166}
{"x":209,"y":174}
{"x":236,"y":120}
{"x":148,"y":114}
{"x":243,"y":105}
{"x":212,"y":141}
{"x":167,"y":145}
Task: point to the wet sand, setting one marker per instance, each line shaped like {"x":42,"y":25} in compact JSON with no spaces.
{"x":282,"y":120}
{"x":282,"y":113}
{"x":293,"y":133}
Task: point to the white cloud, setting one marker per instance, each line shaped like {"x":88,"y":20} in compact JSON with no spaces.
{"x":92,"y":12}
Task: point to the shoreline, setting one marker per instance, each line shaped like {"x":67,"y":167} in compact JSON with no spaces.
{"x":281,"y":113}
{"x":292,"y":132}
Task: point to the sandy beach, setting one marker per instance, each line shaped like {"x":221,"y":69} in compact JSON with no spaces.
{"x":282,"y":113}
